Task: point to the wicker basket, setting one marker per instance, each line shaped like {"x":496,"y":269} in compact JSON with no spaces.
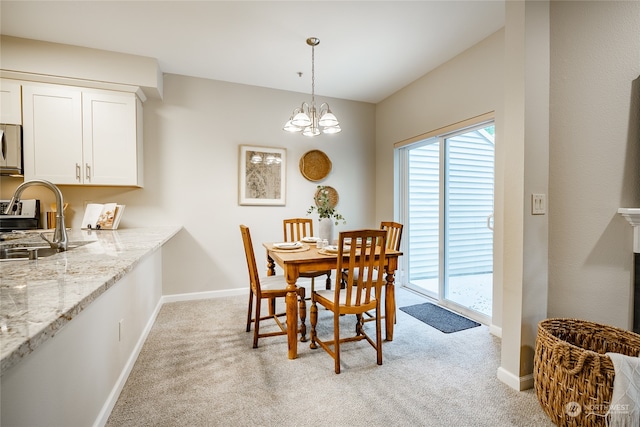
{"x":315,"y":165}
{"x":572,"y":375}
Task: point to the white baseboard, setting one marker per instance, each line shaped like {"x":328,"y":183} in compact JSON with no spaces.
{"x":515,"y":382}
{"x":204,"y":295}
{"x":495,"y":330}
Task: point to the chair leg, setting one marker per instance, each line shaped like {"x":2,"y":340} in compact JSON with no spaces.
{"x":272,"y":307}
{"x":328,"y":282}
{"x":359,"y":324}
{"x":256,"y":328}
{"x":250,"y":310}
{"x":378,"y":336}
{"x":314,"y":321}
{"x":303,"y":317}
{"x":336,"y":341}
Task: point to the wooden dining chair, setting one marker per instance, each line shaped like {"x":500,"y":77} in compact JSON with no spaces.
{"x":394,"y":234}
{"x":366,"y":270}
{"x":394,"y":237}
{"x":295,"y":229}
{"x":268,"y":288}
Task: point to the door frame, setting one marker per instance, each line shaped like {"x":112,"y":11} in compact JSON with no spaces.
{"x":402,"y":192}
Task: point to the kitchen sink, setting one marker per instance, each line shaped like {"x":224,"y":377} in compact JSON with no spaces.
{"x":32,"y":251}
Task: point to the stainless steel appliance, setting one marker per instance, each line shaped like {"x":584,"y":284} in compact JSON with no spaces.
{"x":11,"y":150}
{"x":25,"y":216}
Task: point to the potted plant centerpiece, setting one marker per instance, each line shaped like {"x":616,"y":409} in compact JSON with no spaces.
{"x":328,"y":215}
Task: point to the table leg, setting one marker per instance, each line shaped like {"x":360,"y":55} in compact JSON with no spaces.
{"x":271,"y":266}
{"x":292,"y":317}
{"x":390,"y":306}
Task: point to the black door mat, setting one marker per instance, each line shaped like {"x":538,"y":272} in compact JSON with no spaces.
{"x":440,"y":318}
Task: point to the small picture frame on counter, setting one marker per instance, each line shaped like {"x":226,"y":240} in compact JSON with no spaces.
{"x":99,"y":216}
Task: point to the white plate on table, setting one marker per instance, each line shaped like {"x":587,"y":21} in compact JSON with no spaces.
{"x":310,"y":239}
{"x":331,"y":249}
{"x":287,"y":245}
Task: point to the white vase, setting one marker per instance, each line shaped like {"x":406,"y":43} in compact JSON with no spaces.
{"x":326,"y":229}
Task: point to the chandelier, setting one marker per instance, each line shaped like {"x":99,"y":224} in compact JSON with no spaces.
{"x":305,"y":118}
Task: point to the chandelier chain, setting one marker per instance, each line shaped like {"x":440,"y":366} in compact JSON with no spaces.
{"x":313,"y":75}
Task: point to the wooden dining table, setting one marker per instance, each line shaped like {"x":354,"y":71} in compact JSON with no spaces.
{"x":308,"y":258}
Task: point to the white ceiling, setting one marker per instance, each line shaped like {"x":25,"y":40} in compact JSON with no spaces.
{"x":368,"y":49}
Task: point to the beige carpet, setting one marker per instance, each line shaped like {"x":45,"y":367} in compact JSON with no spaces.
{"x":197,"y":368}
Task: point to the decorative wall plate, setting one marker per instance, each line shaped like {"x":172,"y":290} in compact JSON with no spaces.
{"x":332,"y":194}
{"x":315,"y":165}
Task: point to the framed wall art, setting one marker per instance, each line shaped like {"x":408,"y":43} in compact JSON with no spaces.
{"x":262,"y":179}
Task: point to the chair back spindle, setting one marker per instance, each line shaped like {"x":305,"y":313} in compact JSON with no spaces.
{"x":254,"y":276}
{"x":295,"y":229}
{"x":394,"y":234}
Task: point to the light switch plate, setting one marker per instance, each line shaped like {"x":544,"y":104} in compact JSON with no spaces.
{"x":538,"y":204}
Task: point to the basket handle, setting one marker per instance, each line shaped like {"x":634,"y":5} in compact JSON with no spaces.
{"x":560,"y":352}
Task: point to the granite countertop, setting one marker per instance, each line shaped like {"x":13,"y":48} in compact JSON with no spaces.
{"x":39,"y":297}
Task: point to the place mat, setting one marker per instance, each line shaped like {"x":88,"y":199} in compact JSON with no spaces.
{"x":315,"y":165}
{"x":345,"y":253}
{"x":302,"y":249}
{"x":442,"y":319}
{"x":323,"y":252}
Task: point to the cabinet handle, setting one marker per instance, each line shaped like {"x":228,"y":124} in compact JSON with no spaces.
{"x":78,"y":171}
{"x":4,"y":146}
{"x":88,"y":170}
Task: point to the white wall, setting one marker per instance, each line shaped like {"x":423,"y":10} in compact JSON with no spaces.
{"x":57,"y":63}
{"x":594,"y":158}
{"x":191,"y":146}
{"x":469,"y":85}
{"x":192,"y":139}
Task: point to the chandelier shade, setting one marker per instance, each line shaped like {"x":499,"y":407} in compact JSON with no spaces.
{"x":306,"y":118}
{"x":301,"y":119}
{"x":332,"y":129}
{"x":328,"y":119}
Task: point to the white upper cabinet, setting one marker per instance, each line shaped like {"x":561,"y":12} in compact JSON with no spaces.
{"x":10,"y":102}
{"x":52,"y":134}
{"x":82,"y":136}
{"x":110,"y":143}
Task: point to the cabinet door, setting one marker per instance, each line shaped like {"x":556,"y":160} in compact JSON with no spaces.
{"x":52,"y":133}
{"x":10,"y":102}
{"x":110,"y":139}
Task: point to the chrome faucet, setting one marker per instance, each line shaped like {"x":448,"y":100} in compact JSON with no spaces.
{"x":60,"y":239}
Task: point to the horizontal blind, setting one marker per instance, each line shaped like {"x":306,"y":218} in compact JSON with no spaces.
{"x":470,"y":186}
{"x":470,"y":178}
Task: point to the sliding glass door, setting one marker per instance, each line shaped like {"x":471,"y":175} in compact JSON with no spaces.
{"x":447,"y":206}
